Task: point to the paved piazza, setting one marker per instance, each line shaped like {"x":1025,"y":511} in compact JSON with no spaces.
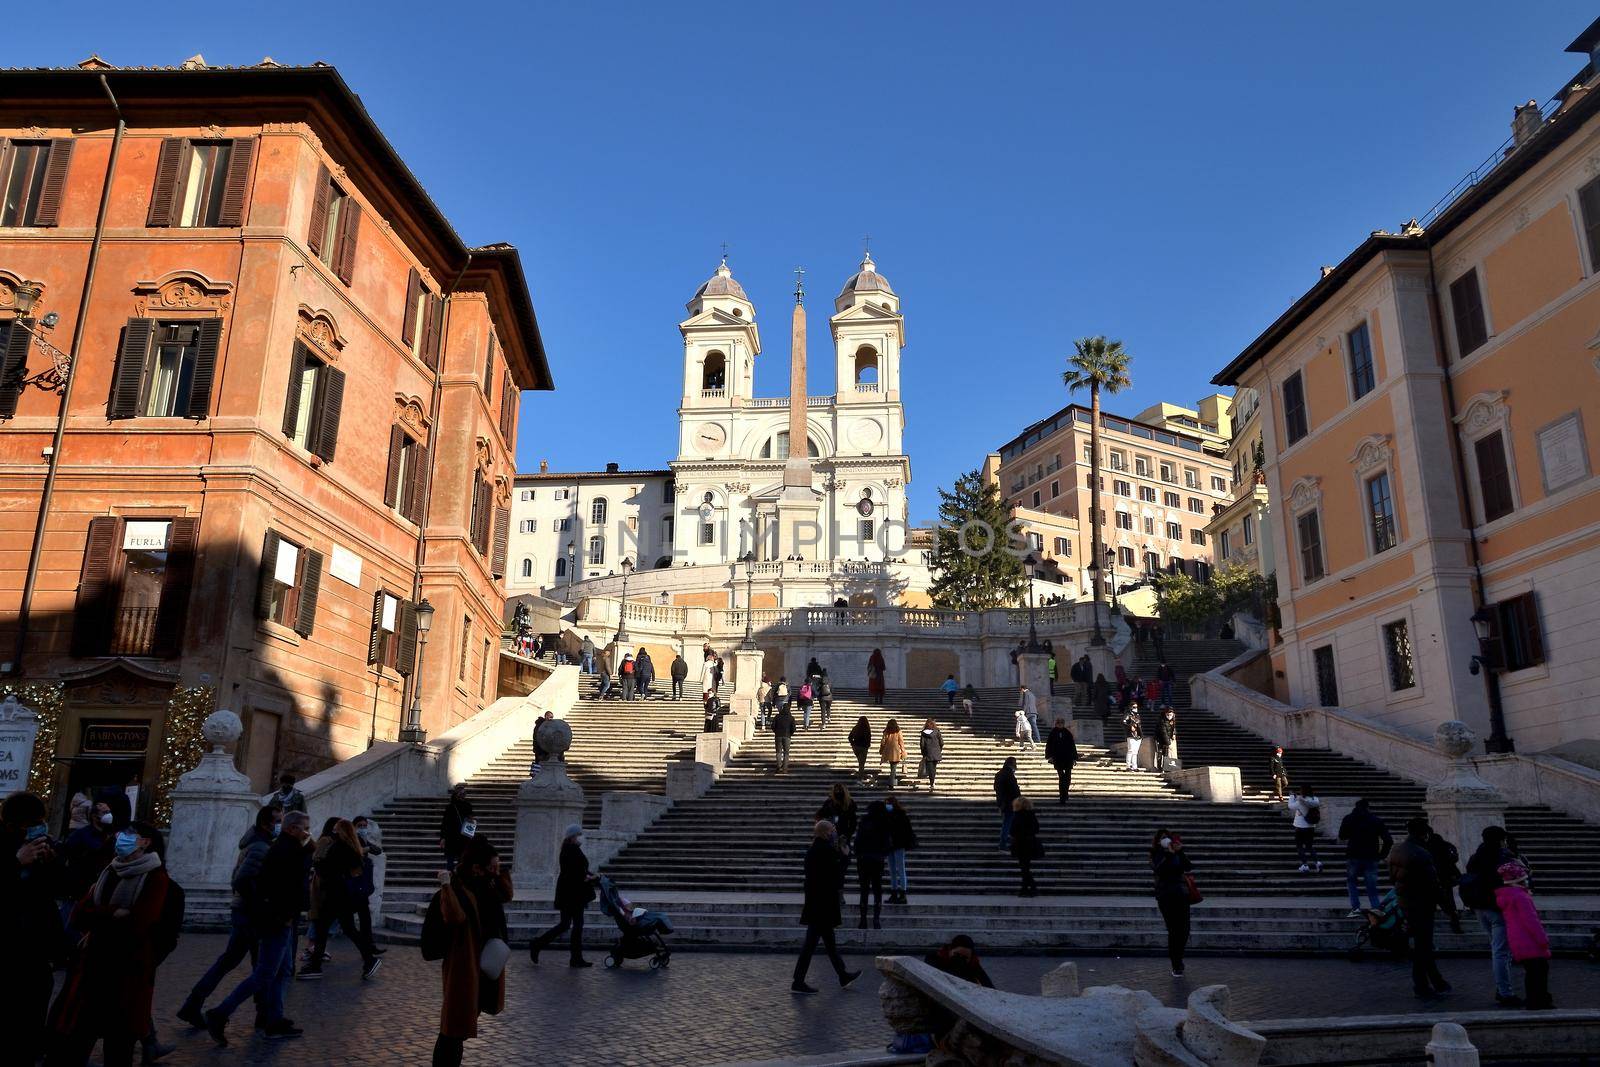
{"x":714,"y":1008}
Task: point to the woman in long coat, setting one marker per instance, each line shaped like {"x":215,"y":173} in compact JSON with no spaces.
{"x":875,"y":671}
{"x":825,"y":866}
{"x":892,"y":750}
{"x":462,"y":917}
{"x":111,"y":983}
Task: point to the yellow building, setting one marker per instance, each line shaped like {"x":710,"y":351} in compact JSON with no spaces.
{"x":1428,"y":408}
{"x":1238,"y":528}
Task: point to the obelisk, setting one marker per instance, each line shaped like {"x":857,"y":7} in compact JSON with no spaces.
{"x":798,"y":504}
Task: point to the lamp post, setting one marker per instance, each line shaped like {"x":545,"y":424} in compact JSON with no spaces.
{"x":622,"y":608}
{"x":413,"y":731}
{"x":1111,"y":560}
{"x":749,"y":559}
{"x":1490,"y":660}
{"x":1033,"y":631}
{"x":1093,"y":568}
{"x":572,"y":566}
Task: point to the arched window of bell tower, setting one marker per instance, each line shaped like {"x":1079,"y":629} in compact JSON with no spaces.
{"x":867,"y":365}
{"x":714,"y":375}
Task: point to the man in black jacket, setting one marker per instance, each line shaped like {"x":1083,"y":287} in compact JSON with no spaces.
{"x":1280,"y":776}
{"x":253,"y":848}
{"x":30,"y":923}
{"x":1061,"y":750}
{"x":782,"y":733}
{"x":1416,"y":884}
{"x":282,"y":892}
{"x":1477,"y":893}
{"x":1006,"y":790}
{"x":825,"y":866}
{"x":1366,"y":841}
{"x":574,"y":891}
{"x":680,"y":673}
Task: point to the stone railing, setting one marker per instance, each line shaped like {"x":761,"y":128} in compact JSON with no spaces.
{"x":850,"y":576}
{"x":783,"y":402}
{"x":654,"y":614}
{"x":1524,"y":779}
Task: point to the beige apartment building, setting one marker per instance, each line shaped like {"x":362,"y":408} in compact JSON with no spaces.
{"x":1158,"y":487}
{"x":1238,"y":528}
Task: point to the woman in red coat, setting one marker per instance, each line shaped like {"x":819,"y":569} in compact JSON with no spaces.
{"x":875,"y":668}
{"x":109,"y":988}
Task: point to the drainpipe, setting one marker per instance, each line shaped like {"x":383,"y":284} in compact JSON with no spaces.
{"x":1497,"y":741}
{"x":433,"y":463}
{"x":54,"y":460}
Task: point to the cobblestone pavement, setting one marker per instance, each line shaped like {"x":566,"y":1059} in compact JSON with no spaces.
{"x":711,"y":1008}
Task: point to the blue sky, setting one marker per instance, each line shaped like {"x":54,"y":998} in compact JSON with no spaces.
{"x":1169,"y":174}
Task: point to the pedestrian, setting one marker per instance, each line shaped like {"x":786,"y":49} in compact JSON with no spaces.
{"x":1021,"y":730}
{"x":861,"y":744}
{"x":1447,"y":860}
{"x":110,"y":983}
{"x":1307,"y":811}
{"x":680,"y":674}
{"x":628,"y":673}
{"x":969,"y":701}
{"x":1478,"y":887}
{"x":574,"y":890}
{"x":253,"y":848}
{"x":1174,"y":892}
{"x":873,"y":843}
{"x":892,"y":750}
{"x":1280,"y":776}
{"x":1102,"y":697}
{"x":959,"y":957}
{"x":586,"y":654}
{"x":1158,"y":635}
{"x":163,"y":942}
{"x":1025,"y":844}
{"x":1061,"y":752}
{"x":465,"y":928}
{"x":1029,"y":705}
{"x":1416,"y":886}
{"x":30,"y":922}
{"x":1006,"y":790}
{"x":337,"y":866}
{"x":603,"y":683}
{"x":825,"y":696}
{"x":931,"y":745}
{"x":644,"y":671}
{"x":1050,"y":668}
{"x":813,"y":672}
{"x":281,"y":893}
{"x":1152,"y":693}
{"x":79,"y":808}
{"x":1135,"y":729}
{"x":763,"y":702}
{"x":288,"y":797}
{"x":1530,"y":946}
{"x":708,"y":673}
{"x":713,"y":714}
{"x":716,"y":670}
{"x":804,"y":698}
{"x":1085,"y":679}
{"x":876,"y":668}
{"x":1168,"y":728}
{"x":780,"y":692}
{"x":370,"y":834}
{"x":839,"y":808}
{"x":1165,"y":677}
{"x":782,"y":736}
{"x":457,"y":825}
{"x":824,"y":879}
{"x":1367,"y":840}
{"x":85,"y":853}
{"x":950,"y":688}
{"x":904,"y":837}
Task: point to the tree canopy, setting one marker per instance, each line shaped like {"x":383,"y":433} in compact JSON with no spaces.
{"x":973,"y":567}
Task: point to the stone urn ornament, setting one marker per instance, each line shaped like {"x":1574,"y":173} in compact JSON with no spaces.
{"x":222,"y":730}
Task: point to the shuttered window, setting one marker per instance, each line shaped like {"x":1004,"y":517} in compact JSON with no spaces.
{"x":502,"y":538}
{"x":510,"y":396}
{"x":201,"y":182}
{"x":1466,"y":305}
{"x":1295,"y":422}
{"x":134,"y":586}
{"x":335,"y":226}
{"x":165,"y":368}
{"x":1362,"y":379}
{"x":1589,"y":205}
{"x":488,"y":372}
{"x":312,"y":408}
{"x":33,"y":176}
{"x":290,"y":582}
{"x":411,"y":314}
{"x":405,"y":488}
{"x":15,"y":337}
{"x":1494,"y":476}
{"x":482,"y":513}
{"x":1309,"y":527}
{"x":1515,"y":626}
{"x":393,"y":639}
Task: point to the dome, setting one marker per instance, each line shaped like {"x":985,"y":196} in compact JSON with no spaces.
{"x":721,"y":284}
{"x":867,"y":280}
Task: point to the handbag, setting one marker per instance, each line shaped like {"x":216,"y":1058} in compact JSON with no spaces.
{"x":492,"y":960}
{"x":1192,"y":888}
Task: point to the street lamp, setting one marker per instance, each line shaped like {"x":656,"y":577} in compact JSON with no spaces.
{"x":622,"y":609}
{"x":1111,"y":559}
{"x":572,"y":566}
{"x":1490,"y":661}
{"x":24,"y":297}
{"x":1033,"y":631}
{"x":1093,"y":568}
{"x":413,"y":731}
{"x":749,"y":559}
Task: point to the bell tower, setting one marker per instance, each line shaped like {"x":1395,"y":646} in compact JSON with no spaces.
{"x":720,"y":344}
{"x":868,"y":334}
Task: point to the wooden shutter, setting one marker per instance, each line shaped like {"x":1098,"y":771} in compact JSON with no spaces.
{"x":488,"y":372}
{"x":14,"y":365}
{"x":391,"y":485}
{"x":509,"y":397}
{"x":326,"y":430}
{"x":128,"y":381}
{"x":205,"y":367}
{"x":183,"y":538}
{"x":240,"y":155}
{"x":291,"y":403}
{"x":1589,"y":202}
{"x":1494,"y":476}
{"x":375,"y":639}
{"x":310,"y":587}
{"x":319,"y":210}
{"x":433,"y":327}
{"x":502,"y":534}
{"x":405,"y":657}
{"x":417,"y":490}
{"x":163,"y":195}
{"x":408,"y":324}
{"x":55,"y":181}
{"x":1466,"y":307}
{"x":344,"y":257}
{"x":97,"y":588}
{"x":269,"y":567}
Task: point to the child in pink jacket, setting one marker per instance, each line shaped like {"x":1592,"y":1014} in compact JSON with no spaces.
{"x":1530,"y":947}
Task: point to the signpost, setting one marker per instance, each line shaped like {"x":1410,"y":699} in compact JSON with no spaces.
{"x":19,"y":726}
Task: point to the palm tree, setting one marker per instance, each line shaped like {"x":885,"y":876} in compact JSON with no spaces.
{"x":1098,"y":364}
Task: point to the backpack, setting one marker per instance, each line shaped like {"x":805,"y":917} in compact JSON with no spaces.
{"x":805,"y":691}
{"x":1314,"y":815}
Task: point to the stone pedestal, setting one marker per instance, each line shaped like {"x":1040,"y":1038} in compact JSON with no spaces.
{"x":212,"y":807}
{"x":746,"y":681}
{"x":1090,"y":732}
{"x":1034,"y":669}
{"x":688,"y":778}
{"x":546,"y":806}
{"x":1461,"y":804}
{"x":1102,"y":661}
{"x":711,"y":749}
{"x":19,"y":727}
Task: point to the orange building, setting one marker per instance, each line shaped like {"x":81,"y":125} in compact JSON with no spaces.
{"x":258,"y":402}
{"x":1430,"y":409}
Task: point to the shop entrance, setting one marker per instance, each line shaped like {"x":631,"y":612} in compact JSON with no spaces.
{"x":111,"y":758}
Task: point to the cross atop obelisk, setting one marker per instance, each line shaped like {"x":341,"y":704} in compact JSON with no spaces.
{"x":797,"y":471}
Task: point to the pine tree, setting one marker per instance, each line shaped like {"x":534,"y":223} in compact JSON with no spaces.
{"x":973,"y":567}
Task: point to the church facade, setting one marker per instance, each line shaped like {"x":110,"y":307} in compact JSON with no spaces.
{"x":739,"y":485}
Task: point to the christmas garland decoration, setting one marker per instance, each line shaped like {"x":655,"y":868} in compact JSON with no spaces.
{"x":183,"y":743}
{"x":44,"y":699}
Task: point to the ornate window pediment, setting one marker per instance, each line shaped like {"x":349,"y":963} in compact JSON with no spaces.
{"x":182,"y":290}
{"x":410,"y":414}
{"x":1484,"y":411}
{"x":1305,"y":494}
{"x":1372,"y":451}
{"x":320,"y":329}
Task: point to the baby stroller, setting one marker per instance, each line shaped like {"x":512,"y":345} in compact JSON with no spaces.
{"x":1382,"y":928}
{"x":641,"y":930}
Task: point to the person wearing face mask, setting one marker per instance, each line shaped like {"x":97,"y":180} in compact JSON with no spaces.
{"x":457,"y":825}
{"x":465,"y":918}
{"x":110,"y":985}
{"x":30,"y":922}
{"x":288,"y":797}
{"x":337,"y":863}
{"x":1170,"y":867}
{"x":253,"y":848}
{"x":574,"y":890}
{"x":370,"y":834}
{"x":87,"y":850}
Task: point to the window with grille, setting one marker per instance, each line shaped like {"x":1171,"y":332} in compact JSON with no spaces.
{"x":597,"y":511}
{"x":1380,"y":509}
{"x":597,"y":551}
{"x":1327,"y":676}
{"x":1397,"y":650}
{"x":1359,"y":341}
{"x":708,"y":533}
{"x":1310,"y":530}
{"x":866,"y":529}
{"x":1295,"y":422}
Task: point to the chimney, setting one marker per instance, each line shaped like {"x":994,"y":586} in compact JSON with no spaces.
{"x":1525,"y":122}
{"x":612,"y":468}
{"x":544,"y":466}
{"x":1326,"y":271}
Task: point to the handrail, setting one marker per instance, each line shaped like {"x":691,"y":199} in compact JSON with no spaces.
{"x":1483,"y":170}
